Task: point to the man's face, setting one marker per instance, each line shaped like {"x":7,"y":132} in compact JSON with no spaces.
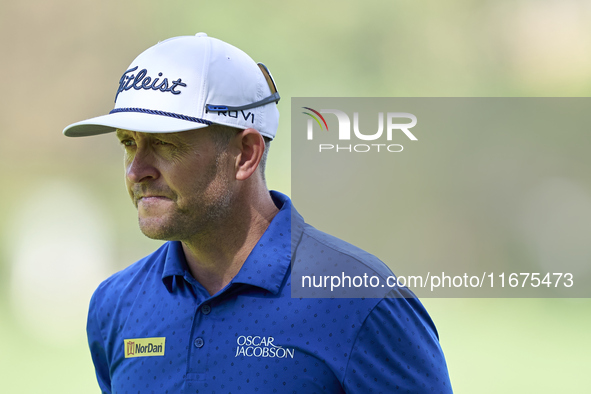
{"x":181,"y":183}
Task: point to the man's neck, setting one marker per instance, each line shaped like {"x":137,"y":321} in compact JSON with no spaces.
{"x":216,"y":258}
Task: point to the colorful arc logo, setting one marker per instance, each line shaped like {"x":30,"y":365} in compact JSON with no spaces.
{"x":315,"y":118}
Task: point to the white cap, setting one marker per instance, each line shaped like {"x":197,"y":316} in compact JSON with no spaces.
{"x":187,"y":83}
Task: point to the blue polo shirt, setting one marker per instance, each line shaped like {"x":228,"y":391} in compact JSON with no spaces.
{"x":152,"y":328}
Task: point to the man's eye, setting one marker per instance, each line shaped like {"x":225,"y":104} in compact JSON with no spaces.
{"x":160,"y":142}
{"x":128,"y":142}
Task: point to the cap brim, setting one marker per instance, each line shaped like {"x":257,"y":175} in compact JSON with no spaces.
{"x":140,"y":122}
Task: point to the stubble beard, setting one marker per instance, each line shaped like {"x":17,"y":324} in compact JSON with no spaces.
{"x":185,"y":225}
{"x":207,"y":209}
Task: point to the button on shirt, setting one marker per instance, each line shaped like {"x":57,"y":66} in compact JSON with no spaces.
{"x":152,"y":328}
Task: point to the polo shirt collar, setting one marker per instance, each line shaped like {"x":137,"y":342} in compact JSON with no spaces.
{"x":174,"y":260}
{"x":269,"y":259}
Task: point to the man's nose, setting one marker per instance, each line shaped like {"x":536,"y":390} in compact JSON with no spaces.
{"x":142,"y":167}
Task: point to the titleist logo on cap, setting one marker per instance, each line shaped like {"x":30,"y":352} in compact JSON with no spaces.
{"x":142,"y":81}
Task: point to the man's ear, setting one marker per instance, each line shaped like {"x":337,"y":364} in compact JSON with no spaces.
{"x":251,"y":147}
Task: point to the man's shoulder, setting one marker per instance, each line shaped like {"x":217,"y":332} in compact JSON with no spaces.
{"x":327,"y":251}
{"x":121,"y":295}
{"x":123,"y":283}
{"x":328,"y":267}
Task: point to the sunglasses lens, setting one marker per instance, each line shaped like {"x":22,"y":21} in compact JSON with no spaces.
{"x":274,"y":97}
{"x":268,"y":77}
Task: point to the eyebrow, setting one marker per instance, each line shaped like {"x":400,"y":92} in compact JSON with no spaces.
{"x":121,"y":133}
{"x":166,"y":136}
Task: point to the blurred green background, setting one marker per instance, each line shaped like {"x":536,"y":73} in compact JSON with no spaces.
{"x":66,"y":222}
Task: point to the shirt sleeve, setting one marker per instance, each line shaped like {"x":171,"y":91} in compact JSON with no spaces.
{"x":397,"y":350}
{"x":97,"y":348}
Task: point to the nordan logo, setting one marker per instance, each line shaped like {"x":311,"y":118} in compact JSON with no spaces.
{"x":394,"y":124}
{"x":144,"y":347}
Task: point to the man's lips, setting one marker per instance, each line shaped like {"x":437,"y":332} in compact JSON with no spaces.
{"x":151,"y":199}
{"x":153,"y":195}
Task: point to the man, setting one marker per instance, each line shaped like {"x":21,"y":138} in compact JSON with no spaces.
{"x":211,"y":310}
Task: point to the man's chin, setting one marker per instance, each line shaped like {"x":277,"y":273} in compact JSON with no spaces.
{"x":156,"y":228}
{"x":159,"y":236}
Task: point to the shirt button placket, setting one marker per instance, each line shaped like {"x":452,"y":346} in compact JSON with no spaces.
{"x":198,"y":355}
{"x":199,"y":342}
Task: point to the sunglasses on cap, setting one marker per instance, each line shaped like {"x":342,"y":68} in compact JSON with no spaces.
{"x":274,"y":97}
